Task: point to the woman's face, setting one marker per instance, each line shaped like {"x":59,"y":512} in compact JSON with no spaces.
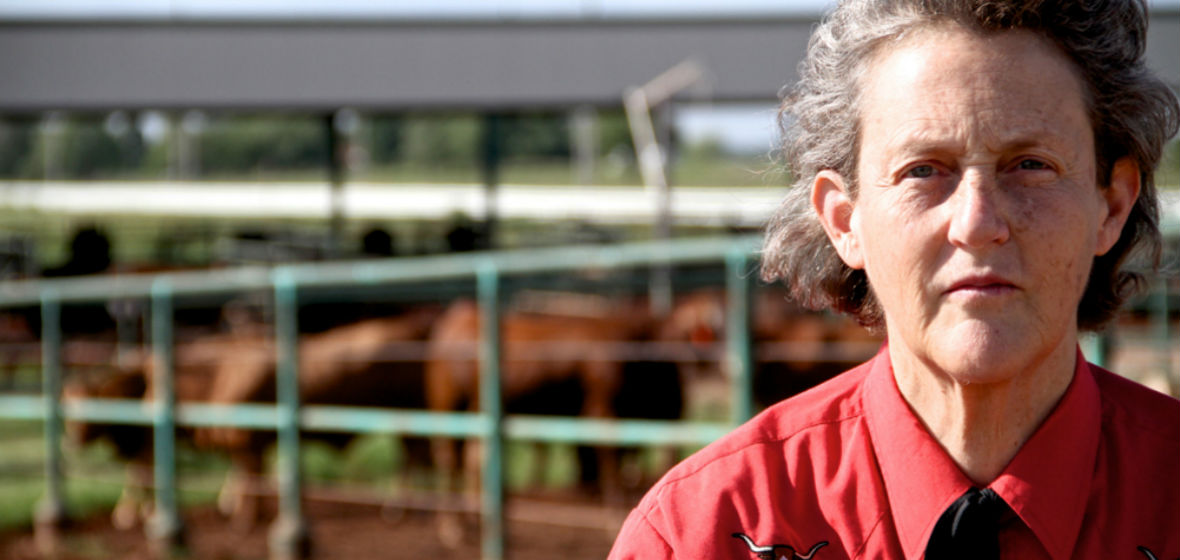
{"x":976,"y":214}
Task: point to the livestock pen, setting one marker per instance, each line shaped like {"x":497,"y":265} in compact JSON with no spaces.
{"x":288,"y":286}
{"x":287,"y":418}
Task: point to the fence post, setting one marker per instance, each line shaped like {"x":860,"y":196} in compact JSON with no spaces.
{"x":288,"y":534}
{"x":737,"y":335}
{"x":50,"y":514}
{"x":1160,"y":318}
{"x":491,"y":405}
{"x":164,"y":530}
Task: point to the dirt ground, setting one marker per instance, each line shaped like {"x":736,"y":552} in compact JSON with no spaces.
{"x":537,"y":530}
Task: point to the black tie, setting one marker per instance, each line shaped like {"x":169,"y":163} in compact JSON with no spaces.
{"x":969,"y":528}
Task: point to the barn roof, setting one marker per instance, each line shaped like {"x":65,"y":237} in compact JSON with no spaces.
{"x":383,"y":65}
{"x":395,"y":63}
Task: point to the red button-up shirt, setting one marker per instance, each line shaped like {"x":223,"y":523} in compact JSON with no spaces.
{"x":847,"y":470}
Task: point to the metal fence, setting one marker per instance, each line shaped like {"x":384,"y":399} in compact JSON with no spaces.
{"x":288,"y":417}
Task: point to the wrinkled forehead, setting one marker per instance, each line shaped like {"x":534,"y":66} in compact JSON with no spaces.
{"x":997,"y":52}
{"x":927,"y":83}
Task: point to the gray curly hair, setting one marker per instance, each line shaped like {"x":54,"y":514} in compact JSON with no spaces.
{"x":1132,"y":113}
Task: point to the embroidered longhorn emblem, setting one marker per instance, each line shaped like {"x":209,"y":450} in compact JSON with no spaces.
{"x":1149,"y":553}
{"x":770,"y":552}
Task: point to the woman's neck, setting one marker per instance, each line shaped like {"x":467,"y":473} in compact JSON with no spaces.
{"x":983,"y":425}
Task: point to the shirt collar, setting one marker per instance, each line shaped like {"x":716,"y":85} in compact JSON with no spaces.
{"x":1046,"y":484}
{"x":920,"y":479}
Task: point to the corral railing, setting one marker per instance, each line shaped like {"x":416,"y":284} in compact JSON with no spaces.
{"x":288,"y":417}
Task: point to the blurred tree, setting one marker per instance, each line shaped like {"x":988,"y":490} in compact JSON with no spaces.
{"x":386,"y":137}
{"x":706,"y":149}
{"x":1167,"y":175}
{"x":535,"y":136}
{"x":438,"y":139}
{"x":613,"y":131}
{"x":88,"y":152}
{"x":251,"y":144}
{"x":120,"y":126}
{"x":17,"y":138}
{"x":85,"y":147}
{"x":113,"y":145}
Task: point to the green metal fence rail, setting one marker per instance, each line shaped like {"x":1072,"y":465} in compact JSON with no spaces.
{"x":289,"y":533}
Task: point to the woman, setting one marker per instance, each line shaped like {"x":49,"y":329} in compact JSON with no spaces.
{"x":970,"y":177}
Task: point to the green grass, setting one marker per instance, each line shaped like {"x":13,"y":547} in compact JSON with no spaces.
{"x":372,"y":458}
{"x":713,"y":170}
{"x":22,"y":480}
{"x":688,"y":169}
{"x":94,"y":476}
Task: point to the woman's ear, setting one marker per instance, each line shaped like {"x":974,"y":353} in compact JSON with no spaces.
{"x":834,"y":206}
{"x":1120,"y":197}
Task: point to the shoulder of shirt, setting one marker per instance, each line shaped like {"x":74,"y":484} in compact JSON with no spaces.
{"x":1125,"y":402}
{"x":816,"y":410}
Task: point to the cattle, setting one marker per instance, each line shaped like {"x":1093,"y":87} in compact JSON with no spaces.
{"x":571,"y":363}
{"x":355,"y":365}
{"x":18,"y":346}
{"x":130,"y":379}
{"x":793,"y":349}
{"x":350,"y":365}
{"x":796,"y":349}
{"x":652,"y":389}
{"x":131,"y":443}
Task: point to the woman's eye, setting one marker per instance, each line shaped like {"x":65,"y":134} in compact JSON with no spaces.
{"x":1031,"y":165}
{"x":921,"y":171}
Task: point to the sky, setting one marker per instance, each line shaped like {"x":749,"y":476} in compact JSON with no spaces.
{"x":425,"y":9}
{"x":745,"y":127}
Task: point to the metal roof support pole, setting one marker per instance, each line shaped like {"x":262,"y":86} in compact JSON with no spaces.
{"x":53,"y":129}
{"x":584,"y":138}
{"x":737,"y":335}
{"x":187,"y":128}
{"x":176,"y":142}
{"x":337,"y":151}
{"x":50,"y":514}
{"x":491,"y":407}
{"x":164,"y":530}
{"x":490,"y":147}
{"x":289,"y":538}
{"x":661,"y":280}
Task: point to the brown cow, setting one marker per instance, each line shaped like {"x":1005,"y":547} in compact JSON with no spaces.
{"x":793,"y":349}
{"x":18,"y":346}
{"x":133,"y":444}
{"x":374,"y":362}
{"x":348,"y":365}
{"x":552,"y":364}
{"x":796,"y":349}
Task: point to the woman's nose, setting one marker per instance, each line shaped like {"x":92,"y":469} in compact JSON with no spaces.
{"x":977,"y":219}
